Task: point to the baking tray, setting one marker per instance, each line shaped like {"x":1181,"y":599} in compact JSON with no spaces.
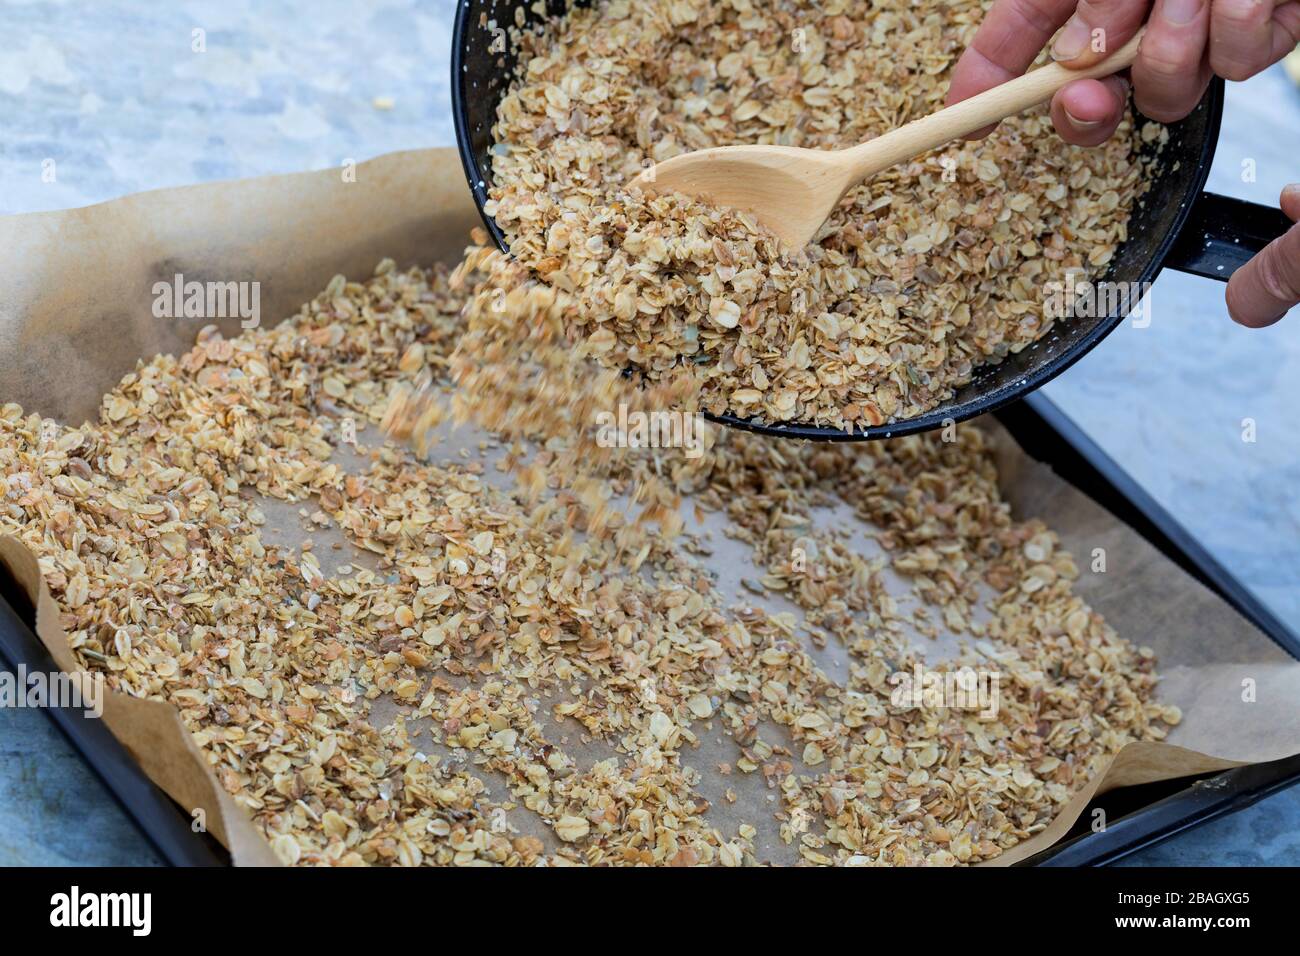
{"x":1138,"y":816}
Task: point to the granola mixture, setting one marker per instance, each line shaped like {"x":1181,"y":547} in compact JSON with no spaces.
{"x":923,"y":274}
{"x":513,"y":683}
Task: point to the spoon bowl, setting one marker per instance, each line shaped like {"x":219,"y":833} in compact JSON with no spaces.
{"x":791,"y":190}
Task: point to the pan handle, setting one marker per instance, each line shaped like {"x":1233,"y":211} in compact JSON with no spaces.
{"x":1222,"y":235}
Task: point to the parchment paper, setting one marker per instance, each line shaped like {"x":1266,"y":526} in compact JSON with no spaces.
{"x":76,"y":314}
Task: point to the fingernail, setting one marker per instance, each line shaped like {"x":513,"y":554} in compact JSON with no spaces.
{"x":1181,"y":12}
{"x":1081,"y":125}
{"x":1072,"y":41}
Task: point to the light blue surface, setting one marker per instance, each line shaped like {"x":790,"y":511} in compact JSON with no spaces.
{"x":113,"y":94}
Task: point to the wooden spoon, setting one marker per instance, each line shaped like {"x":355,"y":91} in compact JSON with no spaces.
{"x":793,"y":191}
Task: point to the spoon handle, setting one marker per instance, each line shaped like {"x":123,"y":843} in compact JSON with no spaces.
{"x":991,"y":106}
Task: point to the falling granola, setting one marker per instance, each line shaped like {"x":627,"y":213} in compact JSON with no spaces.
{"x":922,"y":274}
{"x":477,"y":672}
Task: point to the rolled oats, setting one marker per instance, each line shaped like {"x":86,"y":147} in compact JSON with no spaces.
{"x":922,"y":274}
{"x":407,"y":713}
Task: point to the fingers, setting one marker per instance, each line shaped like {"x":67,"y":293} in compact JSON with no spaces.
{"x":1291,"y":202}
{"x":1087,"y":113}
{"x":1247,"y":36}
{"x":1097,"y":29}
{"x":1264,"y":289}
{"x":1187,"y":41}
{"x":1172,"y":69}
{"x":1013,"y":33}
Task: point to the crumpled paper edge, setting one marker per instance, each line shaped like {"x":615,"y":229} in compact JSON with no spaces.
{"x":151,"y":730}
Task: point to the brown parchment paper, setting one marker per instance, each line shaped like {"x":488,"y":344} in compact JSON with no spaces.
{"x":76,"y":295}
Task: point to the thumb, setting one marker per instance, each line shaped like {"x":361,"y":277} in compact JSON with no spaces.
{"x":1265,"y":288}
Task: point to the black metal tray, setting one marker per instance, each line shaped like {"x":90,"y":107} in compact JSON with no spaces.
{"x":1139,"y":816}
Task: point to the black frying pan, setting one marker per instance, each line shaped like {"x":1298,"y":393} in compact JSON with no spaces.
{"x":1176,"y":225}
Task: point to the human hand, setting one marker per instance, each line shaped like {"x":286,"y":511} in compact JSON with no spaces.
{"x":1265,"y":288}
{"x":1187,"y":41}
